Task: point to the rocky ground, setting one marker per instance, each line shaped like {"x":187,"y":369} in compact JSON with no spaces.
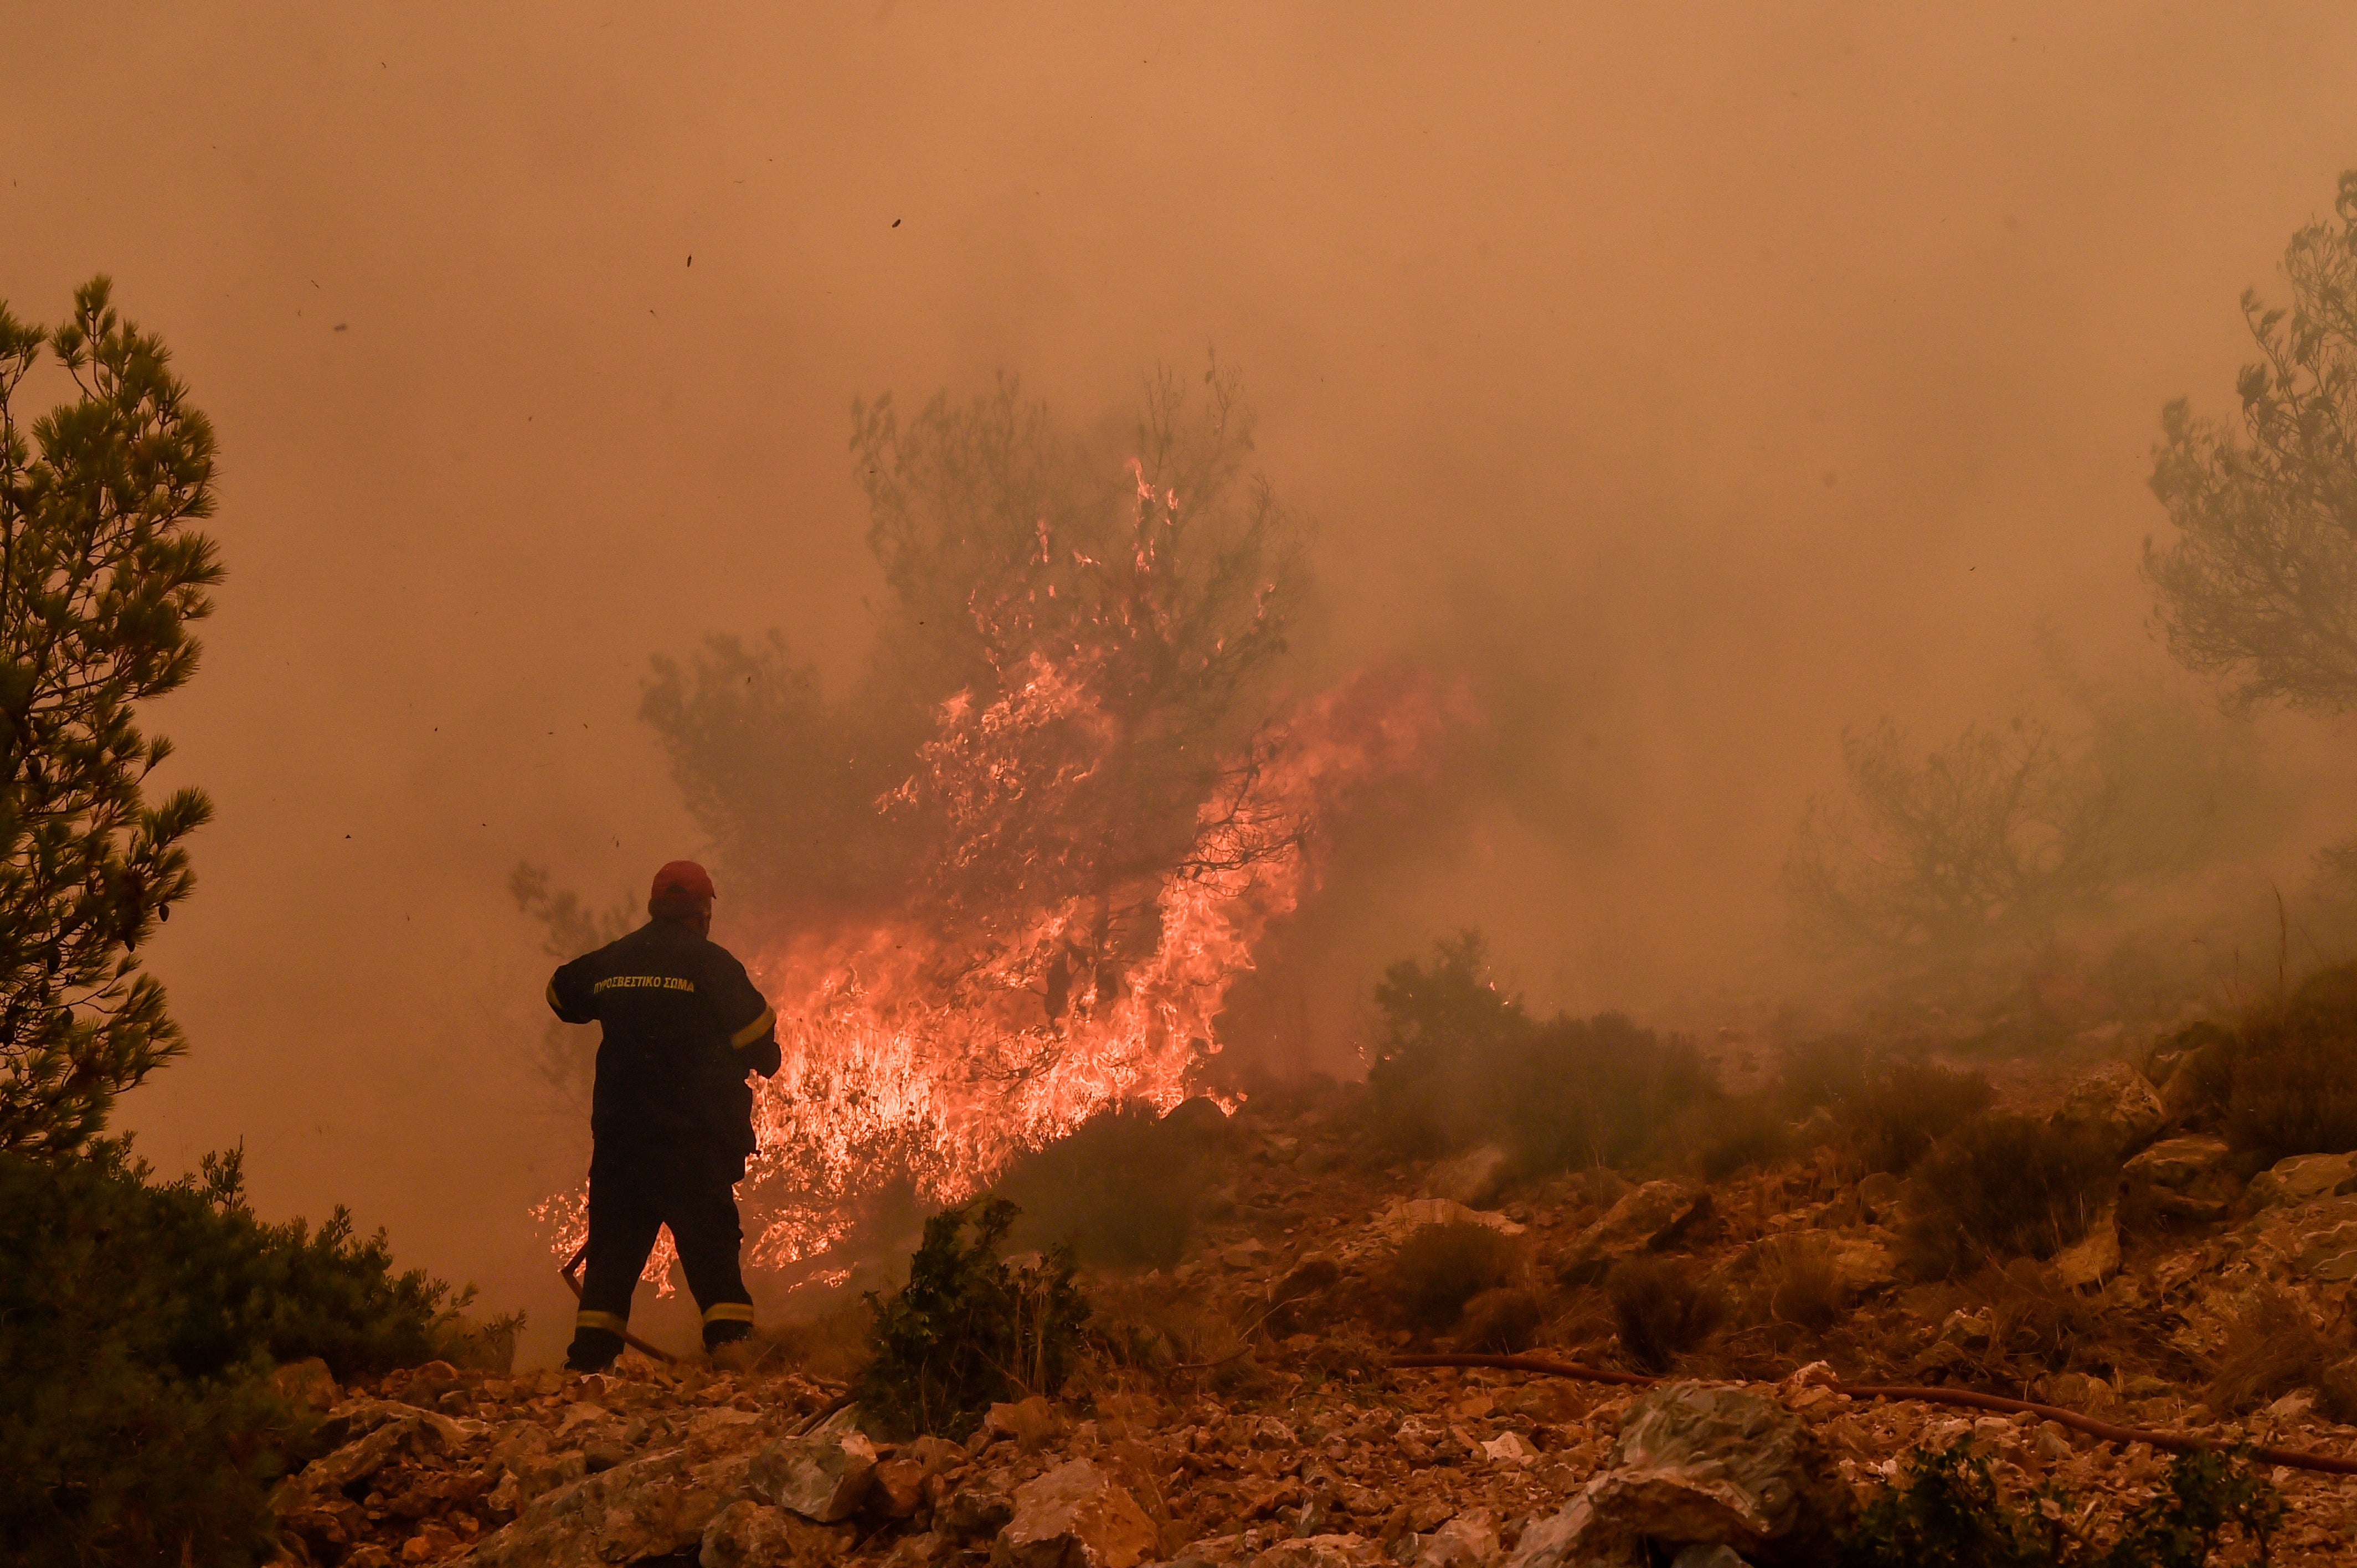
{"x":1284,"y":1440}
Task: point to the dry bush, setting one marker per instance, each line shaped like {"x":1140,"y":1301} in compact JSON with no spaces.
{"x":1663,"y":1309}
{"x":1903,"y":1108}
{"x":1459,"y":1061}
{"x":2004,"y":1186}
{"x":1505,"y":1321}
{"x":830,"y":1347}
{"x":1439,"y":1268}
{"x":2290,"y":1081}
{"x":1740,"y":1133}
{"x":1797,"y":1284}
{"x":1169,"y":1337}
{"x":2271,"y":1350}
{"x":1122,"y":1190}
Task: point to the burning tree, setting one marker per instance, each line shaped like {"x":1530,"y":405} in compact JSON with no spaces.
{"x":1008,"y":879}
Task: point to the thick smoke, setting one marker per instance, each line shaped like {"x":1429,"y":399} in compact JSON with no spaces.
{"x":1702,"y":385}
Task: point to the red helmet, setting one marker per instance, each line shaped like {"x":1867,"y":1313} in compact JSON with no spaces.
{"x":683,"y":877}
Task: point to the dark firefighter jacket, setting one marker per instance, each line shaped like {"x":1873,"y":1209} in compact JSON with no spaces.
{"x":682,"y":1026}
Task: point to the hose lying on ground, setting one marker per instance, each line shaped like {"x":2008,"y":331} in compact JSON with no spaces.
{"x":2169,"y":1442}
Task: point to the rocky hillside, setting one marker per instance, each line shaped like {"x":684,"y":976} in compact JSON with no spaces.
{"x":1240,"y":1407}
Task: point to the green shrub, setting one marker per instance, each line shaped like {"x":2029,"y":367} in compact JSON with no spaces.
{"x":1439,"y":1268}
{"x":1948,"y":1515}
{"x":1663,"y":1309}
{"x":1122,"y":1190}
{"x":2004,"y":1186}
{"x":142,"y":1323}
{"x":1459,"y":1061}
{"x":969,"y":1330}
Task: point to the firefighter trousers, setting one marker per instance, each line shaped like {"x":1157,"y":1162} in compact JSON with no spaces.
{"x":635,"y":1192}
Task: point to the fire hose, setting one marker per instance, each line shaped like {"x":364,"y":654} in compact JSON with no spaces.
{"x":2168,"y":1442}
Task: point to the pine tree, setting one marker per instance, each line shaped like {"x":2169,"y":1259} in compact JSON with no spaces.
{"x":100,"y":575}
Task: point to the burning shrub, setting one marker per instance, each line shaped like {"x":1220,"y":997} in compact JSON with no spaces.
{"x":2272,"y":1349}
{"x":1949,"y":1512}
{"x":2005,"y":1187}
{"x":142,"y":1320}
{"x":969,"y":1330}
{"x":1122,"y":1190}
{"x":1663,"y":1309}
{"x":1439,"y":1268}
{"x":1459,"y":1061}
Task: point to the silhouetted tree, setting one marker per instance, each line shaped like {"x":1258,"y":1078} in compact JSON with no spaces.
{"x":1016,"y":556}
{"x":2006,"y":832}
{"x":2260,"y":587}
{"x":100,"y":574}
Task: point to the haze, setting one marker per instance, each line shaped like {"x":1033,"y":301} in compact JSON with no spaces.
{"x":1709,"y":378}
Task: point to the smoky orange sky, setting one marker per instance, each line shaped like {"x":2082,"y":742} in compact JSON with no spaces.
{"x":1725,"y":374}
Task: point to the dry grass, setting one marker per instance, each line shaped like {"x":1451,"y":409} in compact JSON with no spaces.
{"x":2272,"y":1349}
{"x":831,"y":1347}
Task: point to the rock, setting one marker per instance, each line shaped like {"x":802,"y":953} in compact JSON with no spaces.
{"x":972,"y":1512}
{"x":2114,"y":1102}
{"x":2095,"y":1257}
{"x":1474,"y":1179}
{"x":1707,"y":1557}
{"x":1469,"y":1541}
{"x":307,"y":1385}
{"x":647,"y":1507}
{"x":746,"y":1534}
{"x":1074,"y":1517}
{"x":2303,"y":1179}
{"x":2338,"y":1390}
{"x":1697,"y":1465}
{"x":1878,"y":1195}
{"x":1403,"y":1217}
{"x":1318,"y":1551}
{"x":1250,"y":1252}
{"x":1280,"y":1149}
{"x":822,"y":1476}
{"x":1030,"y":1422}
{"x":1510,"y":1449}
{"x":1864,"y":1263}
{"x":1647,"y":1218}
{"x":899,"y":1488}
{"x":2177,"y":1162}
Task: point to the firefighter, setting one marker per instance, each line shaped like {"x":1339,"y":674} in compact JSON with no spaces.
{"x":671,"y":1118}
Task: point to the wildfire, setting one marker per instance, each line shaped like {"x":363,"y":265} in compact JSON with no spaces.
{"x":1061,"y":959}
